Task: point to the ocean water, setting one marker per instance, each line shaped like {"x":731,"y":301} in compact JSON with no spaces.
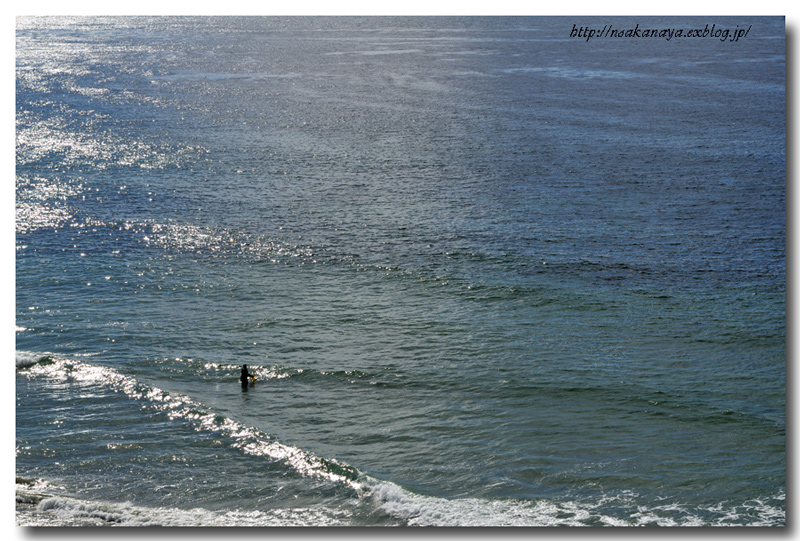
{"x":486,"y":274}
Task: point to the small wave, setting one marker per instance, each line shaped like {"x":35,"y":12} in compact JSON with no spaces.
{"x":260,"y":372}
{"x":419,"y":510}
{"x":627,"y":509}
{"x":31,"y":491}
{"x":575,"y":73}
{"x":25,"y":359}
{"x":58,"y":510}
{"x":413,"y":510}
{"x":264,"y":372}
{"x":176,"y":406}
{"x":32,"y":484}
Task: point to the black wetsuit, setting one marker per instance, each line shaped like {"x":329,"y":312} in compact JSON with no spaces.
{"x":245,"y":375}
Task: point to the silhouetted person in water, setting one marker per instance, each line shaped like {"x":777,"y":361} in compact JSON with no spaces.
{"x":245,"y":376}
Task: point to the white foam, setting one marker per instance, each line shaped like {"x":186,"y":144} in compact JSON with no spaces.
{"x":31,"y":491}
{"x":29,"y":358}
{"x":68,"y":510}
{"x":419,"y":510}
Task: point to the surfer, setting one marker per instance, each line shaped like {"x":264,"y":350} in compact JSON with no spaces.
{"x":246,"y":376}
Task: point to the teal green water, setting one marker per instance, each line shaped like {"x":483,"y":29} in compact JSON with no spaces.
{"x":484,"y":274}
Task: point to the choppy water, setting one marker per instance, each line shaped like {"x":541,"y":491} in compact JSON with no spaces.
{"x":485,"y":274}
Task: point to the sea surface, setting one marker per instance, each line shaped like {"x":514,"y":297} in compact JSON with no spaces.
{"x":485,"y":273}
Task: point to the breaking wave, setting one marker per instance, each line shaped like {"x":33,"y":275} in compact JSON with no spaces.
{"x":407,"y":507}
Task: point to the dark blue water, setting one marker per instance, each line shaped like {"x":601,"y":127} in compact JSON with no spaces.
{"x":485,"y":273}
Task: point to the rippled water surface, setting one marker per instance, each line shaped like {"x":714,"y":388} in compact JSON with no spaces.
{"x":485,"y":274}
